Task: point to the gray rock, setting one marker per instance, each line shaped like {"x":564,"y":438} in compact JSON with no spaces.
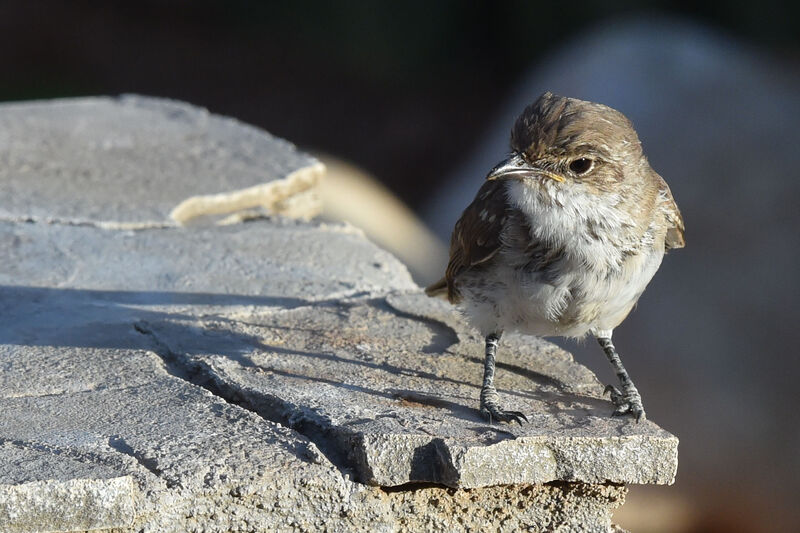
{"x":134,"y":161}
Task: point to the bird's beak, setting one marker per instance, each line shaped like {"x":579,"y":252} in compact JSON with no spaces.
{"x":515,"y":167}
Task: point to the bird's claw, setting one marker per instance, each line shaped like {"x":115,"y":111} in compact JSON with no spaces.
{"x":493,"y":413}
{"x":629,"y":402}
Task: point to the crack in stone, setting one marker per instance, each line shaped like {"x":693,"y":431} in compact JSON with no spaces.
{"x":119,"y":444}
{"x":272,"y":408}
{"x":100,"y":224}
{"x":169,"y":360}
{"x":338,"y":445}
{"x":81,"y":456}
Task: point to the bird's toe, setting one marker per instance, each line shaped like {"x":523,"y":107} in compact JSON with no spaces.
{"x":493,"y":414}
{"x":627,"y":403}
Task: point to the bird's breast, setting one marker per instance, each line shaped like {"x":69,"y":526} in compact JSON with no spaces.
{"x":570,"y":264}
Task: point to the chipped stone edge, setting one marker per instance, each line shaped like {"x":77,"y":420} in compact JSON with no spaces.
{"x":267,"y":195}
{"x":636,"y":459}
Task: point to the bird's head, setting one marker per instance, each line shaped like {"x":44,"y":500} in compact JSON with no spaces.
{"x":572,"y":142}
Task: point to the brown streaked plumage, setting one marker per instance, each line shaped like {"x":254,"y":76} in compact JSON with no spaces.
{"x":563,"y":236}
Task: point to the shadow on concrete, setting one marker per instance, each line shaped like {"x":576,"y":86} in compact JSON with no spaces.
{"x":115,"y":319}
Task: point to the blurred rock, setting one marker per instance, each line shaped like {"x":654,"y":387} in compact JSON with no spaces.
{"x":712,"y":345}
{"x":351,"y":195}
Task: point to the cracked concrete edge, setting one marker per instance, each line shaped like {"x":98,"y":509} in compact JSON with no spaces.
{"x":270,"y":196}
{"x":392,"y":460}
{"x":69,"y":505}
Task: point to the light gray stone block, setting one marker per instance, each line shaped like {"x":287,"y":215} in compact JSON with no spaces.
{"x":255,"y":265}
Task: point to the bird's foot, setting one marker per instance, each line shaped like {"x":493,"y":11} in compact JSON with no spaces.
{"x":493,"y":414}
{"x":490,"y":409}
{"x":628,"y":403}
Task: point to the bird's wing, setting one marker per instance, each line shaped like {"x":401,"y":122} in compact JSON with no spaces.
{"x":675,"y":230}
{"x":476,"y":237}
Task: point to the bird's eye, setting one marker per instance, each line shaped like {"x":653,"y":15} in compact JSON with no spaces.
{"x":581,"y":166}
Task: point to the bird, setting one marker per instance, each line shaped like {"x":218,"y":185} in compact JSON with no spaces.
{"x":562,"y":238}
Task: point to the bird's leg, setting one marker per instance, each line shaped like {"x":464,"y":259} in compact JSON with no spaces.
{"x":490,"y":401}
{"x":628,"y":401}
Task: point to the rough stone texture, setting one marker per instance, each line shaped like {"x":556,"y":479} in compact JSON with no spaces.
{"x":410,"y":387}
{"x":133,"y":161}
{"x":508,"y":508}
{"x":282,"y":376}
{"x":67,"y":505}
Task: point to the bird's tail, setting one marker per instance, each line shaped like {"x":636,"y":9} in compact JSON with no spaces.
{"x":438,"y":289}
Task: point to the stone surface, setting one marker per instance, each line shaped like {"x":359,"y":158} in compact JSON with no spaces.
{"x":256,"y":265}
{"x":91,"y":394}
{"x":395,"y":394}
{"x":278,"y":375}
{"x":571,"y":507}
{"x":133,"y":161}
{"x":69,"y":505}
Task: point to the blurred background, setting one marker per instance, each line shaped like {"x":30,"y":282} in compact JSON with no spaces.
{"x":410,"y":103}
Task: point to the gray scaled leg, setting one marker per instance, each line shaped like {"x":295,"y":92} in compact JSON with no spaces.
{"x":490,"y":401}
{"x":628,"y":401}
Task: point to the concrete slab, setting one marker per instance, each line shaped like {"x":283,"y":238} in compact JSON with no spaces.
{"x":259,"y":264}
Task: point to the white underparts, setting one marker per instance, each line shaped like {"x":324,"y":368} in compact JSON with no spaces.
{"x":601,"y":269}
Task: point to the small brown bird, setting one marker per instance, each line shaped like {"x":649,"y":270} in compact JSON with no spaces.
{"x":562,"y":238}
